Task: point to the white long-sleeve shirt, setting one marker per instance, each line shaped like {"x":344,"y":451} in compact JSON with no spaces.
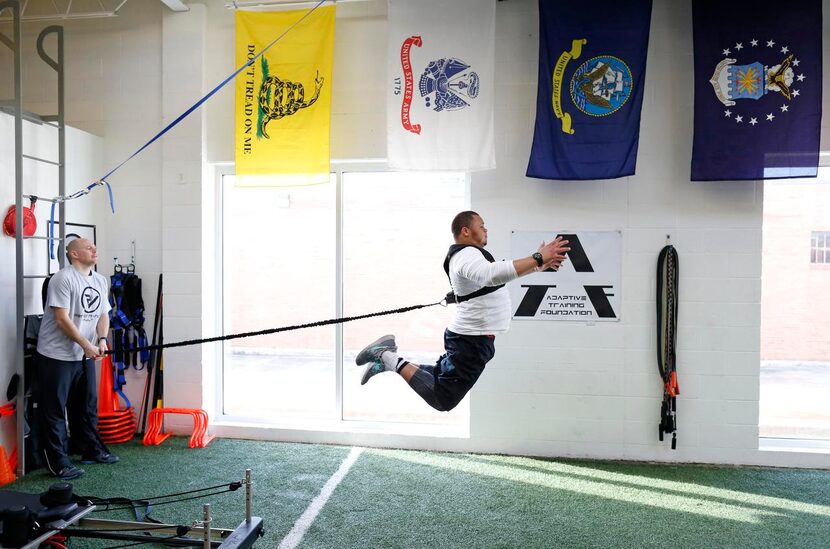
{"x":487,"y":314}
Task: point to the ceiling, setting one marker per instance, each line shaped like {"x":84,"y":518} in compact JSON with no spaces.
{"x":61,"y":10}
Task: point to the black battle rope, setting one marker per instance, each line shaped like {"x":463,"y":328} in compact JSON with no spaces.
{"x":169,"y":541}
{"x":135,"y":505}
{"x":112,"y":504}
{"x":137,"y":543}
{"x":667,"y":275}
{"x":282,"y":329}
{"x":127,"y":507}
{"x":122,"y":503}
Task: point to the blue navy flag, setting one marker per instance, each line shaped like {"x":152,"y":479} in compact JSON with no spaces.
{"x":757,"y":89}
{"x":592,"y":66}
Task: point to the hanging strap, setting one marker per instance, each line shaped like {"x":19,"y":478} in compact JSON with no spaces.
{"x":118,"y":318}
{"x":143,"y":353}
{"x":118,"y":352}
{"x":667,"y":301}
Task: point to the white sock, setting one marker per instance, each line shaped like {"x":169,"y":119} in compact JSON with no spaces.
{"x":391,"y":361}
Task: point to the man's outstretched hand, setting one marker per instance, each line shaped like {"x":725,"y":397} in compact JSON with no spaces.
{"x":553,"y":253}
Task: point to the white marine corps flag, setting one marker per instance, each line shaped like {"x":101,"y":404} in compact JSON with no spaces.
{"x":439,"y":108}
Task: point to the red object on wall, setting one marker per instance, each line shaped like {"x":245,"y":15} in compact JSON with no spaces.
{"x":29,"y":220}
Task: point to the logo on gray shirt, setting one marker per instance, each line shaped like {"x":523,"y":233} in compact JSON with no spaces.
{"x":90,"y":299}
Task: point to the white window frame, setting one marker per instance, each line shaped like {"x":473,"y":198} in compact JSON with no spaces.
{"x":825,"y":248}
{"x":312,"y":430}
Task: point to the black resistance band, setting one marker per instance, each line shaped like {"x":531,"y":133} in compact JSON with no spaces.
{"x":667,"y":288}
{"x":282,"y":329}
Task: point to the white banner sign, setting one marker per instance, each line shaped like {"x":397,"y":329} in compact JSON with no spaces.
{"x":440,"y":92}
{"x":586,"y":288}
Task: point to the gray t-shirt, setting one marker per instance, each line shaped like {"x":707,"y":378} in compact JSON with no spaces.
{"x":86,"y":297}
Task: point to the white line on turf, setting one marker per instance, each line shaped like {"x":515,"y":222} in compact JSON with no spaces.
{"x":295,"y":536}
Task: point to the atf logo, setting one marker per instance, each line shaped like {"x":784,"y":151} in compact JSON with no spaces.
{"x":586,"y":287}
{"x":90,"y":299}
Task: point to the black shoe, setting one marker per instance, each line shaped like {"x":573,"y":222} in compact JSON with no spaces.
{"x":69,"y":472}
{"x":103,"y":457}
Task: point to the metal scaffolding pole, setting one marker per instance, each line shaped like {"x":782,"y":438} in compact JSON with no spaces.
{"x":14,"y":45}
{"x":57,"y":65}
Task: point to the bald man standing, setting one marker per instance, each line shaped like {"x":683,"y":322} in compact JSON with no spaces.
{"x":72,"y":335}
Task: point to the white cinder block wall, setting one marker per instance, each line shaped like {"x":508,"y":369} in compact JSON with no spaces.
{"x":553,"y":388}
{"x":182,"y":151}
{"x":113,"y":90}
{"x":83,"y":162}
{"x":593,"y":390}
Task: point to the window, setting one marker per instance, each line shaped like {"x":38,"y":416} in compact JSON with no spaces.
{"x":396,"y":230}
{"x":278,"y":270}
{"x":795,"y":298}
{"x":820,"y":247}
{"x":367,"y":241}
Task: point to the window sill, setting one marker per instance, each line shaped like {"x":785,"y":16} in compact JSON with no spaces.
{"x":228,"y":424}
{"x":799,"y":445}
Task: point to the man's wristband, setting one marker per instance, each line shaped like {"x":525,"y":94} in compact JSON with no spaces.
{"x":104,"y":338}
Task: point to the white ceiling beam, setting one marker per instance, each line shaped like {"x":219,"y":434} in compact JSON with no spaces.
{"x":175,"y":5}
{"x":259,"y":4}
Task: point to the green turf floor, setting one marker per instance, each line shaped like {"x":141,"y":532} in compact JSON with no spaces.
{"x":408,"y":499}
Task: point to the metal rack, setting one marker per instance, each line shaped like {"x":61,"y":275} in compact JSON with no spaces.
{"x":56,"y":121}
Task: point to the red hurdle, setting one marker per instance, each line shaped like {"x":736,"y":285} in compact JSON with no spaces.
{"x":199,"y":439}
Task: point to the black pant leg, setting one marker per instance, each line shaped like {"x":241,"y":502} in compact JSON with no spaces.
{"x":54,"y":378}
{"x":83,"y":413}
{"x":423,"y":383}
{"x":445,"y":385}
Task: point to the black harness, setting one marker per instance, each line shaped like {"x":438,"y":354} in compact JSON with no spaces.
{"x":451,"y":297}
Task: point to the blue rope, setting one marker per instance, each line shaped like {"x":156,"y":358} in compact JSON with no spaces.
{"x":213,"y":91}
{"x":70,"y":197}
{"x":103,"y":180}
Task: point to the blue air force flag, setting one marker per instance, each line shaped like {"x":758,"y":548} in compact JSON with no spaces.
{"x":757,"y":89}
{"x":592,"y":66}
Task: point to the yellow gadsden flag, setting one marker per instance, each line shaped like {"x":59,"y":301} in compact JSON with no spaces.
{"x":283,"y":99}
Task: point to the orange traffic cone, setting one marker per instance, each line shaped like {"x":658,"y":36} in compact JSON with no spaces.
{"x":7,"y":475}
{"x":114,"y":424}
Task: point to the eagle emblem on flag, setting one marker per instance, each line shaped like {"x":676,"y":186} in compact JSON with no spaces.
{"x":775,"y":76}
{"x":447,"y":84}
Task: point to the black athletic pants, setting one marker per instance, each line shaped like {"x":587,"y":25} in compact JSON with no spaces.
{"x":67,"y":389}
{"x":444,"y":384}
